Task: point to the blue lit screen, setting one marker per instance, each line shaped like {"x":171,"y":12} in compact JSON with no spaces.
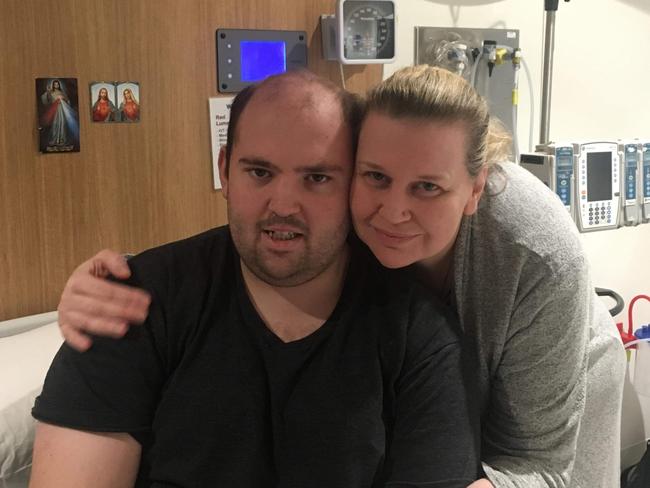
{"x":260,"y":59}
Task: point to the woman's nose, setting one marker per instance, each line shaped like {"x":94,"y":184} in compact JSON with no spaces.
{"x":394,"y":209}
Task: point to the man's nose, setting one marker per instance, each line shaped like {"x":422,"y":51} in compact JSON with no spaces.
{"x":284,"y":199}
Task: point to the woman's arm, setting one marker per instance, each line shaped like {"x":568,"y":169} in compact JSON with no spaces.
{"x":537,"y":395}
{"x":483,"y":483}
{"x":90,"y":304}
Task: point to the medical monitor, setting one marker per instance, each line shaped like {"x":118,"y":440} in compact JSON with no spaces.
{"x":597,"y":181}
{"x":599,"y":176}
{"x":246,"y":56}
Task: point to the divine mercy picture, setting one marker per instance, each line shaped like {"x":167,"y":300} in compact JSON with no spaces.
{"x":58,"y":114}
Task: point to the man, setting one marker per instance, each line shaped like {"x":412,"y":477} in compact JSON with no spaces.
{"x":275,"y":353}
{"x":103,"y":109}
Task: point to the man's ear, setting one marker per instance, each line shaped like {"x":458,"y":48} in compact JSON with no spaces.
{"x":223,"y":172}
{"x":477,"y":191}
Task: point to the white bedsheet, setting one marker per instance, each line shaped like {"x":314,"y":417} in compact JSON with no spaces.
{"x":24,"y":360}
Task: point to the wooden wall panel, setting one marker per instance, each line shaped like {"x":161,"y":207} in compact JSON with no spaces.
{"x":131,"y":186}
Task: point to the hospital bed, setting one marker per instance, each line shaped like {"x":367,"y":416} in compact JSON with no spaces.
{"x":27,"y":347}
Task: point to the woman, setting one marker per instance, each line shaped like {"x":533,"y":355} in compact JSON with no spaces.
{"x":500,"y":249}
{"x":512,"y":267}
{"x":129,"y":108}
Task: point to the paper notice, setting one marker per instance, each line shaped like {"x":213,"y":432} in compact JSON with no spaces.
{"x":219,"y":118}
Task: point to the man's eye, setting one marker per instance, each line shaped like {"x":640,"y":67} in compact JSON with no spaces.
{"x":318,"y":178}
{"x":259,"y":173}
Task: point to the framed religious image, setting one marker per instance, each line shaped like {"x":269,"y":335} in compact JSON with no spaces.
{"x":102,"y":102}
{"x":128,"y":98}
{"x":58,"y":114}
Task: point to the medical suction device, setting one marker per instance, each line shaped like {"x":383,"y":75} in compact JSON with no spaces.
{"x":490,"y":60}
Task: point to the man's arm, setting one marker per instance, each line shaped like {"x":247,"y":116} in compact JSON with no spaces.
{"x":75,"y":458}
{"x":90,"y":304}
{"x":97,"y":397}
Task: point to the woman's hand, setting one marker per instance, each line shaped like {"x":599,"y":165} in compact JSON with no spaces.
{"x":482,"y":483}
{"x":92,"y":305}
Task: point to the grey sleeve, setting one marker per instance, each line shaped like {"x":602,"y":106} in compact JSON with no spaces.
{"x":538,"y":393}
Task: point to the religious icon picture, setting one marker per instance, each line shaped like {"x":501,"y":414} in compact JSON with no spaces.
{"x":102,"y":102}
{"x":128,"y":96}
{"x":58,"y":114}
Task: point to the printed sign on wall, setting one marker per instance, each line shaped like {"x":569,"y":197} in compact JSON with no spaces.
{"x":219,"y":119}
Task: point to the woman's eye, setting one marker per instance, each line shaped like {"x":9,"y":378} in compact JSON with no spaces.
{"x":426,"y":187}
{"x":375,"y":176}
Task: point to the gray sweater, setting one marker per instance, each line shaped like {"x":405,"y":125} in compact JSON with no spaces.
{"x":551,"y":364}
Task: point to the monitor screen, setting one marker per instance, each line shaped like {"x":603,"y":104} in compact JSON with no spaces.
{"x":599,"y":176}
{"x":564,"y":161}
{"x":260,"y":59}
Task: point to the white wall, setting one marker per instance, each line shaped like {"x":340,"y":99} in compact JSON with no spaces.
{"x":601,"y":90}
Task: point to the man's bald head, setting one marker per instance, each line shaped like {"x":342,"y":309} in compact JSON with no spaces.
{"x":300,"y":89}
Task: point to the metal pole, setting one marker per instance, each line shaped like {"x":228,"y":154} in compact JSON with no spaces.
{"x":547,"y":76}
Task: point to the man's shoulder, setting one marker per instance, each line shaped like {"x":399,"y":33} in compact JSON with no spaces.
{"x":212,"y":244}
{"x":410,"y":325}
{"x":405,"y":311}
{"x":200,"y":258}
{"x":390,"y":287}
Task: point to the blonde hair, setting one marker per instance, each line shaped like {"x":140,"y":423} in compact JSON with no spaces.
{"x":430,"y":93}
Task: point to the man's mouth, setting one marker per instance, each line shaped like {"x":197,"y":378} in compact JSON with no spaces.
{"x":277,"y":235}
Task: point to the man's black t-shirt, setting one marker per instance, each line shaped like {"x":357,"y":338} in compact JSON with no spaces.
{"x":374,"y":397}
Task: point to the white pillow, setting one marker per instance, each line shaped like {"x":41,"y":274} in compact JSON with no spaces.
{"x":24,"y":361}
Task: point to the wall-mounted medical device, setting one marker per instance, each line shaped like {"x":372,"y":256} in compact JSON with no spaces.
{"x":630,"y":154}
{"x":488,"y":58}
{"x":361,"y":32}
{"x":598,"y":184}
{"x":585,"y":176}
{"x":246,"y":56}
{"x":553,"y":164}
{"x":645,"y":180}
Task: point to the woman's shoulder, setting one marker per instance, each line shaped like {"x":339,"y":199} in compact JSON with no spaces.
{"x":520,"y":216}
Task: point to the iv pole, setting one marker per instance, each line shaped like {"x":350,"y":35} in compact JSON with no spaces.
{"x":550,"y":6}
